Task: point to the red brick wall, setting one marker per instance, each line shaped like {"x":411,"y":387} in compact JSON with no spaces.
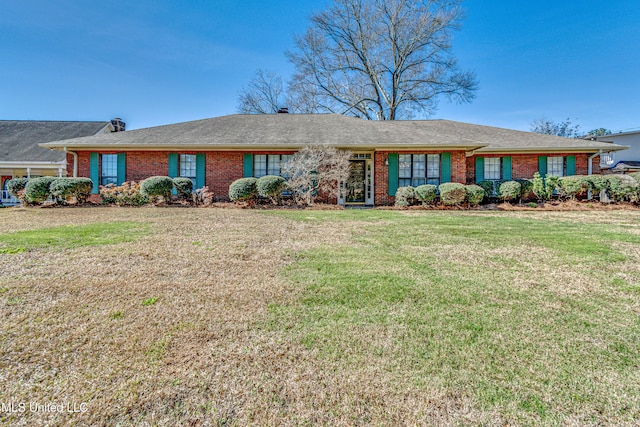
{"x":224,"y":167}
{"x":221,"y":167}
{"x":525,"y":165}
{"x":381,"y":171}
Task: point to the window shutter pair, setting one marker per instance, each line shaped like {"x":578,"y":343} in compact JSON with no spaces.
{"x":94,"y":170}
{"x":570,"y":162}
{"x":394,"y":171}
{"x":507,"y":164}
{"x":200,"y":168}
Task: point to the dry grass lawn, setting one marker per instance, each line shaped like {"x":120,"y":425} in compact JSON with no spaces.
{"x":174,"y":316}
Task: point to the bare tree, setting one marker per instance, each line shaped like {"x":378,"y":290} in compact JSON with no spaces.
{"x":317,"y":169}
{"x":549,"y":127}
{"x":381,"y":59}
{"x":264,"y":95}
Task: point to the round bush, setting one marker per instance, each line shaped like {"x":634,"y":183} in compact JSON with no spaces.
{"x":271,"y":186}
{"x":38,"y":190}
{"x":452,"y":193}
{"x":405,"y":196}
{"x":427,"y":194}
{"x":243,"y":190}
{"x":157,"y":186}
{"x":15,"y":185}
{"x":63,"y":188}
{"x":488,"y":187}
{"x":573,"y":186}
{"x":621,"y":188}
{"x":475,"y":194}
{"x":510,"y":190}
{"x":526,"y":187}
{"x":597,"y":182}
{"x":184,"y":187}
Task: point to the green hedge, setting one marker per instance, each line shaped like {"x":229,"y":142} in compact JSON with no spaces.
{"x":16,"y":185}
{"x":488,"y":187}
{"x":243,"y":190}
{"x":127,"y":194}
{"x":271,"y":186}
{"x":475,"y":194}
{"x":64,"y":188}
{"x":452,"y":193}
{"x":526,"y":188}
{"x":573,"y":186}
{"x":184,"y":187}
{"x":622,"y":188}
{"x":405,"y":196}
{"x":157,"y":186}
{"x":427,"y":194}
{"x":38,"y":190}
{"x":510,"y":191}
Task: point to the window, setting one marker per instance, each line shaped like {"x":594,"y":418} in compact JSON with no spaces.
{"x":555,"y":166}
{"x":188,"y":167}
{"x":109,"y":169}
{"x":492,"y":168}
{"x":269,"y":164}
{"x":419,"y":169}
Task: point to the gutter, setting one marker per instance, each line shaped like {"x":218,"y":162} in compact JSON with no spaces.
{"x":75,"y":161}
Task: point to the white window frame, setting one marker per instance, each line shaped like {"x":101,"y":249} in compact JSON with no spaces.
{"x":556,"y":166}
{"x":493,"y":168}
{"x":108,"y":165}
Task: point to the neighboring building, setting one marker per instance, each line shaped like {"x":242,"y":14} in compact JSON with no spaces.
{"x":21,"y":156}
{"x":386,"y":154}
{"x":626,"y":161}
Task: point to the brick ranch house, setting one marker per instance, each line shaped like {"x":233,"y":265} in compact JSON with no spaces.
{"x":386,"y":154}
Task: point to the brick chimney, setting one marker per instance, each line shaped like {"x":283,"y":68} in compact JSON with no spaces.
{"x":283,"y":110}
{"x":118,"y":125}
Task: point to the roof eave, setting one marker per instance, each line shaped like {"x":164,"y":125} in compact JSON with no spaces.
{"x":252,"y":147}
{"x":490,"y":150}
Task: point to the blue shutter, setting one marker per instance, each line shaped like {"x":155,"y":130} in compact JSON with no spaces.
{"x":248,"y":165}
{"x":542,"y":166}
{"x":94,"y":172}
{"x":122,"y":168}
{"x":445,"y":168}
{"x":394,"y":170}
{"x":200,"y":170}
{"x":506,"y":168}
{"x":173,"y":165}
{"x":479,"y":169}
{"x":571,"y":165}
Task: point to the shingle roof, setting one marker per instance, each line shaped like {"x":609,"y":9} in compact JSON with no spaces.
{"x":296,"y":130}
{"x":19,"y":139}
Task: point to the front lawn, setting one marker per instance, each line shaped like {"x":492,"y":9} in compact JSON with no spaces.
{"x":236,"y":317}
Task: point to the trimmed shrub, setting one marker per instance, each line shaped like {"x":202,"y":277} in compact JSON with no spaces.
{"x":635,"y":175}
{"x":427,"y":194}
{"x":405,"y":196}
{"x":38,"y":190}
{"x":184,"y":187}
{"x":550,"y":185}
{"x":452,"y":193}
{"x":475,"y":194}
{"x":622,"y":188}
{"x":526,"y":187}
{"x":127,"y":194}
{"x":509,"y":191}
{"x":538,"y":187}
{"x":271,"y":187}
{"x":64,"y":188}
{"x":597,"y":182}
{"x":15,"y":186}
{"x":573,"y":186}
{"x":243,"y":190}
{"x":157,"y":186}
{"x":488,"y":187}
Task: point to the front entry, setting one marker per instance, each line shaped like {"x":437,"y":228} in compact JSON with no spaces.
{"x":356,"y":184}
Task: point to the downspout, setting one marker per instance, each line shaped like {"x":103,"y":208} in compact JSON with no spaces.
{"x":75,"y":161}
{"x":590,"y":169}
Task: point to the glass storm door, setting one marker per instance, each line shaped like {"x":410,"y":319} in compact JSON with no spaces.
{"x":356,"y":182}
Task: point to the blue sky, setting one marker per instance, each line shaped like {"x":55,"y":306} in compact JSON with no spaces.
{"x":158,"y":62}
